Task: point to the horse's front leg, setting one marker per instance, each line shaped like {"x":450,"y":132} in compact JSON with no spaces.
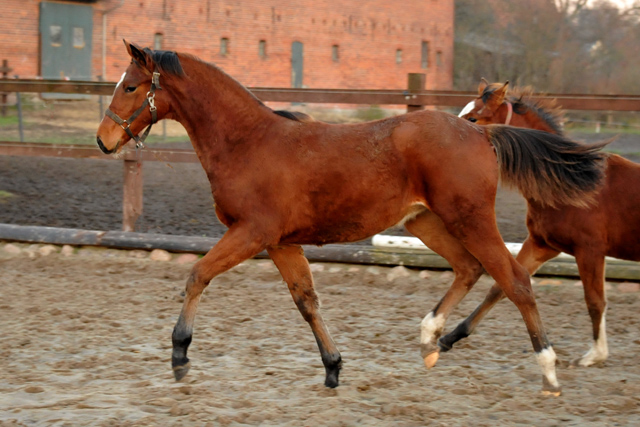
{"x":429,"y":228}
{"x":295,"y":271}
{"x":237,"y":245}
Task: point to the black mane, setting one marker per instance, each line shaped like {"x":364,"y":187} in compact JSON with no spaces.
{"x":287,"y":114}
{"x":166,"y":60}
{"x":521,"y":100}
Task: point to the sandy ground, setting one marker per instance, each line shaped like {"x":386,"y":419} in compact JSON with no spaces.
{"x":86,"y":342}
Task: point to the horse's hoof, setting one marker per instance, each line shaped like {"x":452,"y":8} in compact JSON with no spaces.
{"x":584,"y":362}
{"x":549,"y":389}
{"x":180,"y":371}
{"x":431,"y":359}
{"x":331,"y":380}
{"x":555,"y":393}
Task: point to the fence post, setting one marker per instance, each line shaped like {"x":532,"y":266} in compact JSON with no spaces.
{"x":20,"y":122}
{"x":100,"y":102}
{"x":132,"y":194}
{"x":416,"y":83}
{"x":5,"y":69}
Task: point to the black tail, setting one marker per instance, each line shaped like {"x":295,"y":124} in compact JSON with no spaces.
{"x":548,"y":168}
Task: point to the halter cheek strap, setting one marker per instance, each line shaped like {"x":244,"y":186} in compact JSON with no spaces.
{"x":150,"y":101}
{"x":509,"y":114}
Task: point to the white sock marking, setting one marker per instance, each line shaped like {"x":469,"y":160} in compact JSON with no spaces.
{"x":547,"y":362}
{"x":467,"y":108}
{"x":431,"y":327}
{"x":599,"y":349}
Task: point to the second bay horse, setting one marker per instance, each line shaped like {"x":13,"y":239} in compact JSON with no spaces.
{"x":608,"y":227}
{"x":279,"y":183}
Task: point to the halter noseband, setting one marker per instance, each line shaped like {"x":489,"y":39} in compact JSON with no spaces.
{"x":150,"y":101}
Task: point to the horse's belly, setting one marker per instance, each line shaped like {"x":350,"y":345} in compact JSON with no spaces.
{"x":359,"y":226}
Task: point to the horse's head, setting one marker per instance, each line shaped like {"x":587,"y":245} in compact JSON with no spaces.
{"x":484,"y":109}
{"x":138,"y":100}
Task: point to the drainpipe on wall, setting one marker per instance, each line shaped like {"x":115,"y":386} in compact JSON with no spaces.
{"x":104,"y":38}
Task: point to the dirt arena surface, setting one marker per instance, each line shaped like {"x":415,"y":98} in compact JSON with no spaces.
{"x":87,"y":342}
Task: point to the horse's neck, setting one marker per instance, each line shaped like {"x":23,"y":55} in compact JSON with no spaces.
{"x":216,"y":111}
{"x":531,"y":120}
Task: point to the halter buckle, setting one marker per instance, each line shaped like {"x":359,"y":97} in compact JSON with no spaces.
{"x":151,"y":97}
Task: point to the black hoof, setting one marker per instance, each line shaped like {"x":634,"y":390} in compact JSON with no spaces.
{"x":333,"y":372}
{"x":331,"y":380}
{"x":180,"y":371}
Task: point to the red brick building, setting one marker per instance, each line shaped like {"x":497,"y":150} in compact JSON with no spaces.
{"x":317,"y":44}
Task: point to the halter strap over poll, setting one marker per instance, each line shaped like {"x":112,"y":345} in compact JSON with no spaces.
{"x":150,"y":101}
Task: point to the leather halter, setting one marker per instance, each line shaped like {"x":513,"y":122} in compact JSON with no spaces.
{"x":150,"y":101}
{"x":509,"y":114}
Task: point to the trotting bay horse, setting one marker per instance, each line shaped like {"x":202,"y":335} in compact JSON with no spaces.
{"x":279,"y":183}
{"x":608,"y":227}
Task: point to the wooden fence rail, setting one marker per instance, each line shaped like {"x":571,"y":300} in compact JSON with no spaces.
{"x":411,"y":96}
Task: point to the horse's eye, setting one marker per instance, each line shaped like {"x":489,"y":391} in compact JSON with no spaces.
{"x":130,"y":89}
{"x":472,"y":119}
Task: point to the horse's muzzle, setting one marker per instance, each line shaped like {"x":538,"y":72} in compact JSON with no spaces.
{"x":103,"y":148}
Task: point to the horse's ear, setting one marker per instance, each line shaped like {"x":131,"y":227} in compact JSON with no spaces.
{"x":140,"y":56}
{"x":500,"y":93}
{"x":482,"y":86}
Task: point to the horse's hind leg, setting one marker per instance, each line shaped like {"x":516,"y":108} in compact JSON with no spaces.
{"x":475,"y":226}
{"x":531,"y":257}
{"x":295,"y":271}
{"x":591,"y":266}
{"x":429,"y":228}
{"x":237,"y":245}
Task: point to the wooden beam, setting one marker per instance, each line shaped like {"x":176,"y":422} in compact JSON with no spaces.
{"x":594,"y":102}
{"x":12,"y":148}
{"x":354,"y":254}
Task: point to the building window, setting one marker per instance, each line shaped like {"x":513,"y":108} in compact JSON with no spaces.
{"x":78,"y":37}
{"x":262,"y":48}
{"x":335,"y":53}
{"x":157,"y":41}
{"x":398,"y":56}
{"x":224,"y":46}
{"x":439,"y":58}
{"x":425,"y":55}
{"x":55,"y":35}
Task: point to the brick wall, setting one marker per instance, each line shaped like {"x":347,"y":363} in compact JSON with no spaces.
{"x":367,"y":33}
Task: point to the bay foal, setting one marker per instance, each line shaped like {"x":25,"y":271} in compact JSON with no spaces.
{"x":279,"y":183}
{"x":608,"y":227}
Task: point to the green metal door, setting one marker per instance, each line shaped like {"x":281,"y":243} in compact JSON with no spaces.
{"x":297,"y":62}
{"x":65,"y":40}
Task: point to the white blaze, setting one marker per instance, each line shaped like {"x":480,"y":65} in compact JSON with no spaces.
{"x":467,"y":108}
{"x":120,"y":81}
